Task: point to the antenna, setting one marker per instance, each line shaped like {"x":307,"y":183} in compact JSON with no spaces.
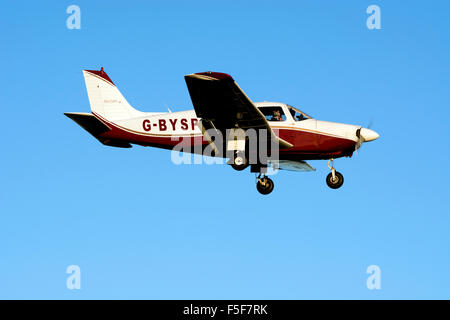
{"x":168,"y":109}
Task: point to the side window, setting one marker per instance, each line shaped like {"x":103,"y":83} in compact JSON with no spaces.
{"x":297,"y":115}
{"x":273,"y":113}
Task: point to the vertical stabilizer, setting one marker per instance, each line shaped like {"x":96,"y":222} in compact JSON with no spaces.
{"x":104,"y":97}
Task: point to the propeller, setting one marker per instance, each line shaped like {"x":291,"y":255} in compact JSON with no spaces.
{"x":360,"y":140}
{"x":365,"y":135}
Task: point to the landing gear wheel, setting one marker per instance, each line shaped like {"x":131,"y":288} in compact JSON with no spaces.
{"x":265,"y":185}
{"x":337,"y":182}
{"x":240,"y":161}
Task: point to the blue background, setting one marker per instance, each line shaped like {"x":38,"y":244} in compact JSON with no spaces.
{"x":141,"y":227}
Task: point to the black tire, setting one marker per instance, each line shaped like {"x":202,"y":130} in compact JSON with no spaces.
{"x":339,"y":180}
{"x":239,"y":167}
{"x":267,"y":187}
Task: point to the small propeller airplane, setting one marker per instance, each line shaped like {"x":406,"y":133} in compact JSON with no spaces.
{"x":221,"y":105}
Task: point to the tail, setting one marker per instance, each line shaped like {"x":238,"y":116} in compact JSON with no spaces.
{"x":104,"y":97}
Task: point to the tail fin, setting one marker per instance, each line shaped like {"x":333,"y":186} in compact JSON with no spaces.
{"x":104,"y":97}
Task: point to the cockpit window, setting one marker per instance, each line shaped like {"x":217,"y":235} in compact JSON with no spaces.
{"x":297,"y":114}
{"x":273,"y":113}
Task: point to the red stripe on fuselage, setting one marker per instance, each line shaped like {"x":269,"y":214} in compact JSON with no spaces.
{"x":307,"y":145}
{"x":145,"y":139}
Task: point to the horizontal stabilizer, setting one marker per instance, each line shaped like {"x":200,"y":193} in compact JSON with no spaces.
{"x":95,"y":127}
{"x":88,"y":122}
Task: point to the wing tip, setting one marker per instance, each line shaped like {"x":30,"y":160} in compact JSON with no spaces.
{"x":210,"y":75}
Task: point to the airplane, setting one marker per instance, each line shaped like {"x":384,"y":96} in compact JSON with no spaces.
{"x":222,"y":108}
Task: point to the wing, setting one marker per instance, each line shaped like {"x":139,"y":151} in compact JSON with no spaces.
{"x":291,"y":165}
{"x":220,"y":103}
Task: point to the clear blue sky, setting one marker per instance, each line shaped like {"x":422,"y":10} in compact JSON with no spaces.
{"x":141,"y":227}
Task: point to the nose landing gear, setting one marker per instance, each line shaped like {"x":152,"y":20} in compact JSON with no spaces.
{"x":335,"y":179}
{"x":264,"y":185}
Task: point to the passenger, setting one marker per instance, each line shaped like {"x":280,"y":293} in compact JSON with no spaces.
{"x":276,"y":116}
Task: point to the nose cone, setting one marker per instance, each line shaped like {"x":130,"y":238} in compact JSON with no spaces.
{"x":369,"y":135}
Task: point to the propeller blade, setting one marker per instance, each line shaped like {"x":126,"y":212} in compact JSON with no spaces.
{"x":360,"y":139}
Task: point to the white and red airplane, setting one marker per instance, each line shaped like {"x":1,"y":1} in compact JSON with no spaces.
{"x":221,"y":107}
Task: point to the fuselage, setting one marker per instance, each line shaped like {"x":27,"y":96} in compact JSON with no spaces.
{"x":311,"y":139}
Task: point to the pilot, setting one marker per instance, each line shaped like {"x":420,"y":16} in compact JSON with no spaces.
{"x":292,"y":111}
{"x":276,"y":115}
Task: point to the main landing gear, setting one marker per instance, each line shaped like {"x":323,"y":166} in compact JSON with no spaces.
{"x":335,"y":179}
{"x":240,"y":161}
{"x":264,"y":185}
